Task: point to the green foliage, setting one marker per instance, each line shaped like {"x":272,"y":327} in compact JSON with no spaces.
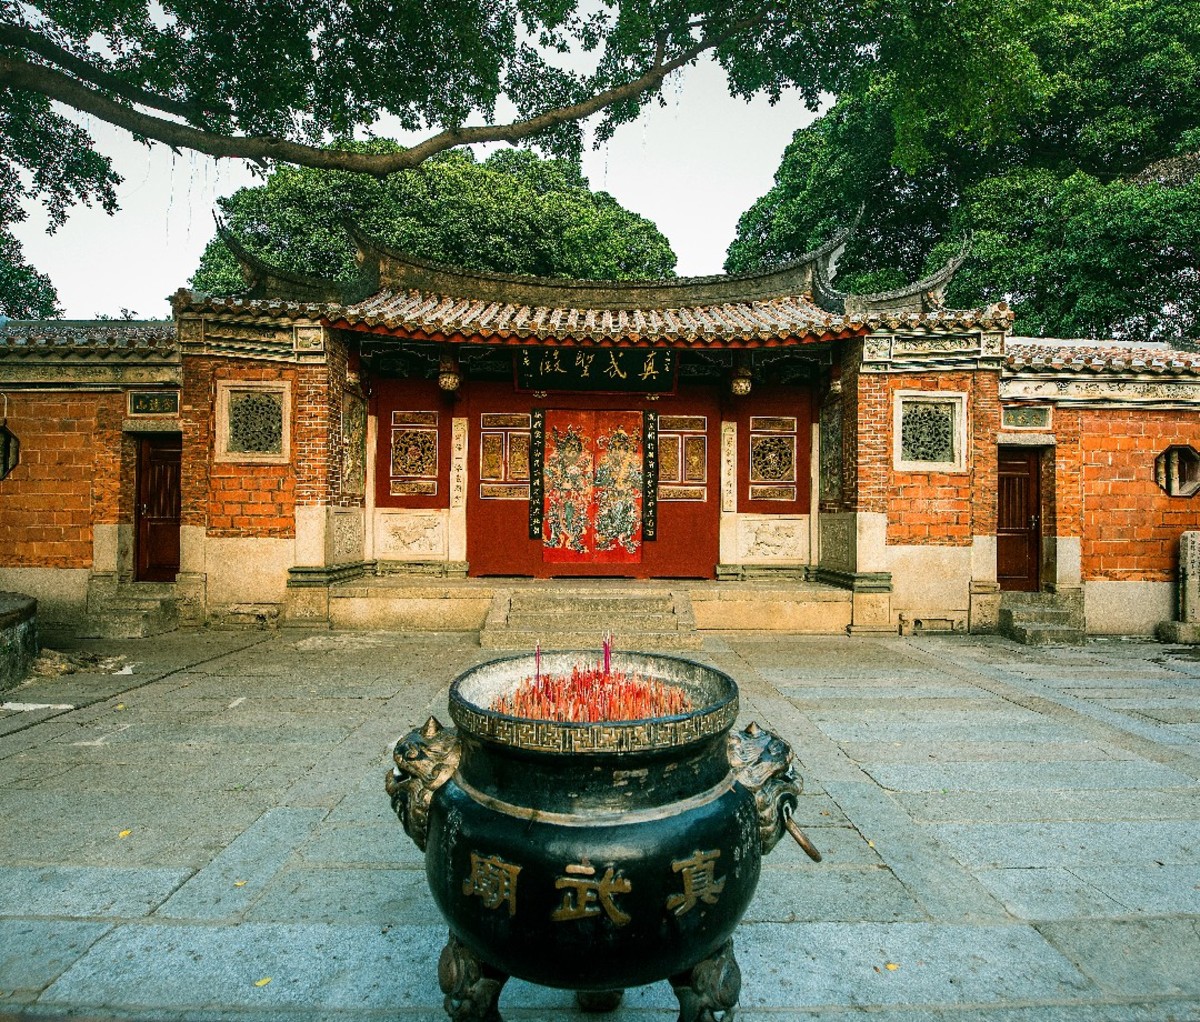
{"x":24,"y":293}
{"x":220,"y":76}
{"x":1058,"y":227}
{"x":512,"y":213}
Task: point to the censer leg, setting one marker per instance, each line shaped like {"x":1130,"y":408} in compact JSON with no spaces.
{"x":709,"y":991}
{"x":472,"y":987}
{"x":598,"y":1000}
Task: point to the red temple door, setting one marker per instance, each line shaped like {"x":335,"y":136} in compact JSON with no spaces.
{"x":157,"y":513}
{"x":1018,"y":523}
{"x":592,"y":484}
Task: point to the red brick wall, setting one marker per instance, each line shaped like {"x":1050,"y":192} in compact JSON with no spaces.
{"x":231,"y":498}
{"x":1130,"y":526}
{"x":1062,"y":485}
{"x":926,"y":508}
{"x":70,"y":476}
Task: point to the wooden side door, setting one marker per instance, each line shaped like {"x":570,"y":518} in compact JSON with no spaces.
{"x":1018,"y":520}
{"x":157,"y":512}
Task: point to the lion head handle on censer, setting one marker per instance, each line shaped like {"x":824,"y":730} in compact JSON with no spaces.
{"x":762,"y":763}
{"x":425,"y":760}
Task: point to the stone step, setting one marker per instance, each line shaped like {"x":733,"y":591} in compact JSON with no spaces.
{"x":597,"y":603}
{"x":527,"y":639}
{"x":1046,"y":634}
{"x":1035,"y":615}
{"x":599,"y":620}
{"x":135,"y":618}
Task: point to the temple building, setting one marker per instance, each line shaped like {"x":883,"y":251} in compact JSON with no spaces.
{"x":783,"y":454}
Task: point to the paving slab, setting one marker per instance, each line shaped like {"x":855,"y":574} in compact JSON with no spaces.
{"x":85,"y":892}
{"x":184,"y":967}
{"x":1010,"y":776}
{"x":228,"y":885}
{"x":1023,"y":806}
{"x":935,"y":965}
{"x":35,"y":952}
{"x":1133,"y":957}
{"x":1030,"y":845}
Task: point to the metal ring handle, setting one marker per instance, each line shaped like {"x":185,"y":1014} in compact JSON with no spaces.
{"x":801,"y":838}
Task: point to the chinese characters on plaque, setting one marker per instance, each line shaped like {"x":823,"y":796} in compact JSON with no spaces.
{"x":641,"y":370}
{"x":587,"y":892}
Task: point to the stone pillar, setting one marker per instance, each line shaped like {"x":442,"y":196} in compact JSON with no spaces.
{"x":191,"y":584}
{"x":983,"y":609}
{"x":871,"y":581}
{"x":1187,"y":627}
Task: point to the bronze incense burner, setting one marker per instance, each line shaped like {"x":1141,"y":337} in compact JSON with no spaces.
{"x":593,"y":856}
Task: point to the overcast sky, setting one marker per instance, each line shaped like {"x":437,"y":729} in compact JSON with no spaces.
{"x":692,"y":167}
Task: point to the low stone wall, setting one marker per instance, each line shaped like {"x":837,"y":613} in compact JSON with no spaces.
{"x":18,"y":637}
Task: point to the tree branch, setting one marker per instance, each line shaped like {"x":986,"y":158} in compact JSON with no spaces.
{"x":20,"y":74}
{"x":26,"y":39}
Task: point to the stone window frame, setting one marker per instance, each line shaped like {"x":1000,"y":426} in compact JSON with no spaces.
{"x":225,"y":390}
{"x":957,"y":400}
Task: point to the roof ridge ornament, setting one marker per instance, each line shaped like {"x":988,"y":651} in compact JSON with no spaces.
{"x":265,"y":279}
{"x":922,"y":296}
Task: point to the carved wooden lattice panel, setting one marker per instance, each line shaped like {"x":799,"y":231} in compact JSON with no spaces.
{"x":504,"y":456}
{"x":773,"y":457}
{"x":682,"y":457}
{"x":414,"y":454}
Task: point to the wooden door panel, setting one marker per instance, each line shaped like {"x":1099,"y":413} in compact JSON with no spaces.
{"x":158,"y":506}
{"x":1018,"y":519}
{"x":592,"y":508}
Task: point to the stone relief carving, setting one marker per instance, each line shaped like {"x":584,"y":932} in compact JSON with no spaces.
{"x":411,"y":535}
{"x":831,"y":452}
{"x":837,"y":550}
{"x":347,"y":536}
{"x":933,"y":345}
{"x":877,"y":349}
{"x":773,"y":539}
{"x":309,"y":338}
{"x":354,"y":436}
{"x":1139,"y":392}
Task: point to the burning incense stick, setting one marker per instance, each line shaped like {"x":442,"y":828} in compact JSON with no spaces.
{"x":590,"y":695}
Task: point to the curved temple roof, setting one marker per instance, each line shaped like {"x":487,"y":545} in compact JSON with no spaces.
{"x":419,"y":300}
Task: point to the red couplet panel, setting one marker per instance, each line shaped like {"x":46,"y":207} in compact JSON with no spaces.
{"x":592,"y":487}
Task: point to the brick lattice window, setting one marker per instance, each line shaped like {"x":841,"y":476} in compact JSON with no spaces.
{"x":253,"y":421}
{"x":930,"y":432}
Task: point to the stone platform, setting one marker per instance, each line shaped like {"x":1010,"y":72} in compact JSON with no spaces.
{"x":560,"y":613}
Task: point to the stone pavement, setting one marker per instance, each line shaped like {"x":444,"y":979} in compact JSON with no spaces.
{"x":1010,"y":834}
